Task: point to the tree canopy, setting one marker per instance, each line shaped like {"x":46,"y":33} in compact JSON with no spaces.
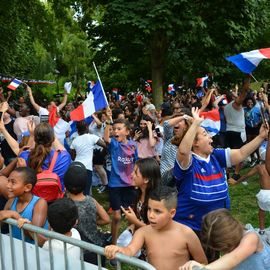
{"x":165,"y":41}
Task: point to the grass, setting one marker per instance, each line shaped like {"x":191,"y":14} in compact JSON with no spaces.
{"x":243,"y":205}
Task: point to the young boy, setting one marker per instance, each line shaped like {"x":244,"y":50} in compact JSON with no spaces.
{"x":179,"y":242}
{"x":90,"y":212}
{"x":123,"y":157}
{"x":20,"y":184}
{"x":62,"y":217}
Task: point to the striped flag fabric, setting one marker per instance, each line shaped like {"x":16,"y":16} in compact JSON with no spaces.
{"x":171,"y":89}
{"x":95,"y":101}
{"x":14,"y":84}
{"x":202,"y":82}
{"x":211,"y":121}
{"x":248,"y":61}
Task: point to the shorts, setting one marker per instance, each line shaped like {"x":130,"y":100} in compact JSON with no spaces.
{"x":99,"y":157}
{"x":122,"y":196}
{"x":234,"y":139}
{"x":263,"y":198}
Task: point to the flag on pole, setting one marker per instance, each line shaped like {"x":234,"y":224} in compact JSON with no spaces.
{"x":211,"y":121}
{"x":248,"y":61}
{"x":171,"y":89}
{"x":95,"y":101}
{"x":202,"y":82}
{"x":14,"y":84}
{"x":59,"y":125}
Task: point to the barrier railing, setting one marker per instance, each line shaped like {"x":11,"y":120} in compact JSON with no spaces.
{"x":18,"y":255}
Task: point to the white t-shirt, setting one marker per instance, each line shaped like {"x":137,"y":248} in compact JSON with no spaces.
{"x":72,"y":251}
{"x":84,"y":145}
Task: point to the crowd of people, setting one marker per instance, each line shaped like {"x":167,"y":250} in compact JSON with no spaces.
{"x":162,"y":168}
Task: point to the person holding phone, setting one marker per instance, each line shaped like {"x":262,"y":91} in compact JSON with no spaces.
{"x":253,"y":121}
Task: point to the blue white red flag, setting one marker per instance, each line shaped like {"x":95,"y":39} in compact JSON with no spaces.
{"x":171,"y":89}
{"x":14,"y":84}
{"x":202,"y":82}
{"x":248,"y":61}
{"x":211,"y":121}
{"x":95,"y":101}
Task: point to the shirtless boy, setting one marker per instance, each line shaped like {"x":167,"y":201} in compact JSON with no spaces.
{"x":169,"y":244}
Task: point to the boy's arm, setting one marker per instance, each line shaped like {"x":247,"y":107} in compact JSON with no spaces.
{"x":4,"y":214}
{"x":195,"y":248}
{"x":107,"y":138}
{"x":134,"y":246}
{"x":102,"y":216}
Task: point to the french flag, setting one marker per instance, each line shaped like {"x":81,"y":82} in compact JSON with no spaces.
{"x":95,"y":101}
{"x":202,"y":82}
{"x":211,"y":121}
{"x":171,"y":89}
{"x":59,"y":125}
{"x":248,"y":61}
{"x":14,"y":84}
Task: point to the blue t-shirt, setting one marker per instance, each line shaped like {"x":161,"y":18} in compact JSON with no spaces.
{"x":123,"y":157}
{"x":26,"y":213}
{"x":202,"y":187}
{"x":61,"y":165}
{"x":252,"y":116}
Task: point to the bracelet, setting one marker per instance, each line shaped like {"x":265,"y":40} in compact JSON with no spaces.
{"x":109,"y":123}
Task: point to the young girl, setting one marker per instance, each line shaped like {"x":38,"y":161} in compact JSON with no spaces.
{"x":243,"y":250}
{"x":146,"y":176}
{"x":146,"y":138}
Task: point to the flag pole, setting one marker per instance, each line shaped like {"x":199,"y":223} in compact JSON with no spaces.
{"x":100,"y":83}
{"x":253,"y":77}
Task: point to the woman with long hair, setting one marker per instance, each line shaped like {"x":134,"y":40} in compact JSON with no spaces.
{"x":39,"y":158}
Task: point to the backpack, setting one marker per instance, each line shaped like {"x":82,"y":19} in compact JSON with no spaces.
{"x":48,"y":184}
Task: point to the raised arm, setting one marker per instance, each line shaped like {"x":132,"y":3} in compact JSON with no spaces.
{"x":152,"y":139}
{"x":11,"y":141}
{"x":107,"y":138}
{"x":184,"y":150}
{"x":64,"y":101}
{"x":32,"y":100}
{"x":238,"y":155}
{"x":237,"y":104}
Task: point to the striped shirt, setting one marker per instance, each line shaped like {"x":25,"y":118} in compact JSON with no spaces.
{"x":202,"y":187}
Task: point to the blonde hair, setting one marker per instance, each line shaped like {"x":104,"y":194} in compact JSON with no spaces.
{"x":221,"y":231}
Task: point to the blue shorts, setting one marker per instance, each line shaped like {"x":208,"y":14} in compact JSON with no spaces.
{"x":122,"y":196}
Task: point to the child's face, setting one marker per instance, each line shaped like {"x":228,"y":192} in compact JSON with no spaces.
{"x":16,"y":185}
{"x":120,"y":132}
{"x":158,"y":215}
{"x":137,"y":178}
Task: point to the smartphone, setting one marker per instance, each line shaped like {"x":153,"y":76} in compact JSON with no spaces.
{"x":158,"y":132}
{"x":264,"y":118}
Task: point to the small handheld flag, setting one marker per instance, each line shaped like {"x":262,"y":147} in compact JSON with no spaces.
{"x":14,"y":84}
{"x":202,"y":82}
{"x":171,"y":89}
{"x":248,"y":61}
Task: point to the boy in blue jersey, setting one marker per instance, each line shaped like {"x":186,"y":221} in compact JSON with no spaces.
{"x":199,"y":172}
{"x":123,"y":157}
{"x":20,"y":184}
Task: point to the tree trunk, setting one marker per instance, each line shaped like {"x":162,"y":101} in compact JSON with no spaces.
{"x":158,"y":52}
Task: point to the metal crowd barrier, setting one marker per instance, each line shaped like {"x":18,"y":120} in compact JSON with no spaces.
{"x":18,"y":255}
